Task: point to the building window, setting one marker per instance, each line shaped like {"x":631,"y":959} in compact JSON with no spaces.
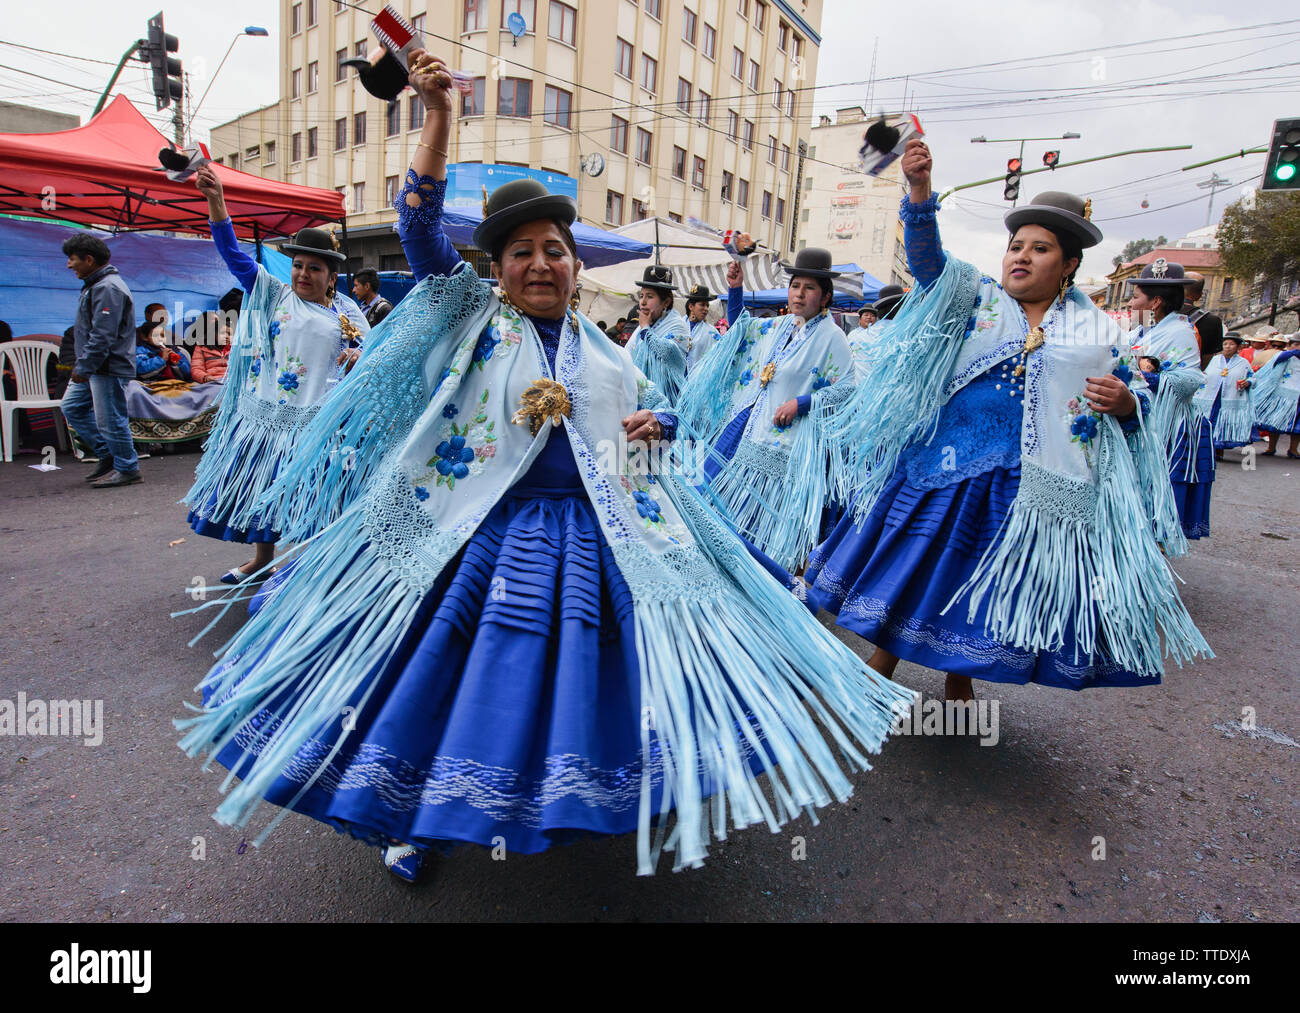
{"x":525,"y":8}
{"x":649,"y":73}
{"x":558,"y":107}
{"x":472,"y":102}
{"x":311,"y":12}
{"x":798,"y":47}
{"x":340,"y":133}
{"x":742,"y":193}
{"x":514,"y":97}
{"x":737,"y":63}
{"x":753,"y":75}
{"x":618,"y":135}
{"x":414,"y":113}
{"x":564,"y":23}
{"x":359,"y":52}
{"x":728,"y":184}
{"x":340,"y":71}
{"x":760,"y":15}
{"x":358,"y":198}
{"x":709,"y":42}
{"x":295,"y":83}
{"x":295,"y":148}
{"x":782,"y":36}
{"x":747,"y":136}
{"x":706,"y":107}
{"x":250,"y":154}
{"x":613,"y":207}
{"x":1227,"y":289}
{"x":766,"y":210}
{"x":673,"y":216}
{"x":655,"y":9}
{"x":359,"y":128}
{"x":313,"y":77}
{"x":733,"y":124}
{"x":475,"y":15}
{"x":777,"y":90}
{"x":268,"y":149}
{"x":623,"y":58}
{"x":390,"y":190}
{"x":679,"y":162}
{"x":417,"y":22}
{"x":742,"y":8}
{"x":771,"y":149}
{"x":639,"y":211}
{"x":392,"y":119}
{"x":295,"y":19}
{"x":789,"y":102}
{"x":684,"y":95}
{"x":697,"y":173}
{"x":312,"y":147}
{"x":644,"y":145}
{"x":234,"y":160}
{"x":688,"y":26}
{"x":780,"y":211}
{"x":785,"y":158}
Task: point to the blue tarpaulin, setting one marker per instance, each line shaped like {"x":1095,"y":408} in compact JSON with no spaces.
{"x":596,"y":247}
{"x":772,"y":298}
{"x":39,"y":295}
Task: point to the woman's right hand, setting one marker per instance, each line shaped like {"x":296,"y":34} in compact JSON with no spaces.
{"x":431,"y":80}
{"x":735,"y":277}
{"x":917,"y":165}
{"x":205,"y":179}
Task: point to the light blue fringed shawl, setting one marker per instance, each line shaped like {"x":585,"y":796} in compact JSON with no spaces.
{"x":1172,"y":343}
{"x":731,"y":662}
{"x":281,"y":367}
{"x":660,"y":352}
{"x":765,"y":468}
{"x":1076,"y":549}
{"x":1277,"y":393}
{"x":703,"y":337}
{"x":1236,"y":408}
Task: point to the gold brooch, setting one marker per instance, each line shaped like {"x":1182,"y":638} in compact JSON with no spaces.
{"x":1033,"y":342}
{"x":351,"y":332}
{"x":544,"y":399}
{"x":1087,"y":209}
{"x":765,"y":376}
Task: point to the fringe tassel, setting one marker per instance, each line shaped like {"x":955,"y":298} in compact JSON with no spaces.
{"x":1277,"y":412}
{"x":1234,"y":422}
{"x":666,"y":379}
{"x":1151,"y":465}
{"x":706,"y":397}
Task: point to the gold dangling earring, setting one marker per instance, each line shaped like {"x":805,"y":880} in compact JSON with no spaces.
{"x":574,"y":301}
{"x":1065,"y":284}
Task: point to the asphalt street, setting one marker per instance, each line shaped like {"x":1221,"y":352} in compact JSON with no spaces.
{"x":1200,"y":817}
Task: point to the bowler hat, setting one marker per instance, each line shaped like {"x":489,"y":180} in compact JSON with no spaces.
{"x":1160,"y":273}
{"x":516,"y":203}
{"x":316,"y":242}
{"x":887,"y":298}
{"x":700,"y":293}
{"x":811,"y":262}
{"x":658,"y":277}
{"x":1057,"y":210}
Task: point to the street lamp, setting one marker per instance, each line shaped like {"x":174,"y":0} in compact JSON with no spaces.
{"x":249,"y":30}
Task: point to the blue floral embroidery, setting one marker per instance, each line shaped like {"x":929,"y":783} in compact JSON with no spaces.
{"x":1084,"y":427}
{"x":454,"y":457}
{"x":257,"y":366}
{"x":421,"y":493}
{"x":820,"y":382}
{"x":288,"y":380}
{"x":449,"y":412}
{"x":746,"y":377}
{"x":647,"y":507}
{"x":1123,"y":371}
{"x":487,"y":344}
{"x":275,"y":328}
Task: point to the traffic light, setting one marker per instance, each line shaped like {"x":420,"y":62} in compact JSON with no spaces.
{"x":1282,"y":171}
{"x":1011,"y":191}
{"x":1050,"y":158}
{"x":167,"y":86}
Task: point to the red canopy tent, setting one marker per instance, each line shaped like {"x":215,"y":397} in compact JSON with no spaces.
{"x":107,"y":174}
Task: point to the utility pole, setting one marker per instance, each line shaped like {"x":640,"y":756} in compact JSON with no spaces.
{"x":1214,"y":184}
{"x":1069,"y":135}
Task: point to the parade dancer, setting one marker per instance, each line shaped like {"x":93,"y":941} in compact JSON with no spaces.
{"x":703,"y":334}
{"x":508,"y":635}
{"x":754,"y":392}
{"x":292,"y":345}
{"x":1005,"y":486}
{"x":1277,"y":398}
{"x":661,"y":345}
{"x":1226,"y":397}
{"x":1178,"y":418}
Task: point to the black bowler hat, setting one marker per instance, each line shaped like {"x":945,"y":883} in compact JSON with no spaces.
{"x":887,"y":298}
{"x":517,"y":203}
{"x":811,"y":262}
{"x":658,"y":277}
{"x":700,"y":294}
{"x":383,"y":78}
{"x":1057,"y":210}
{"x":1161,"y":272}
{"x":317,"y":242}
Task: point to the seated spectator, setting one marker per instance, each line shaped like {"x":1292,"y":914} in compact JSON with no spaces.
{"x":211,"y":359}
{"x":155,"y":359}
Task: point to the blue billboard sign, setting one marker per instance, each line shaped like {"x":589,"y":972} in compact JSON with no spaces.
{"x":466,"y":180}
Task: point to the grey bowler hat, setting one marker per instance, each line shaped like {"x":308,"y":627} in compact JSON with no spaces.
{"x":1058,"y":210}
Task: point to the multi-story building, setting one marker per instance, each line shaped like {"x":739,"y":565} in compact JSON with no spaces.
{"x":853,"y":215}
{"x":697,"y":108}
{"x":1222,"y":295}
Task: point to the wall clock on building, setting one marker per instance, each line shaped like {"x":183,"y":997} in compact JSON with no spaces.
{"x":593,"y":165}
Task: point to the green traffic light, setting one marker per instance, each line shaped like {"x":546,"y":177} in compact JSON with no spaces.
{"x":1284,"y":172}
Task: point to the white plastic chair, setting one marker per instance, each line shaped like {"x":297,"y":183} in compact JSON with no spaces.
{"x":27,"y":360}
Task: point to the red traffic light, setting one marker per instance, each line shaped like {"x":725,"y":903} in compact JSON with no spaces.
{"x":1013,"y":165}
{"x":1050,"y":158}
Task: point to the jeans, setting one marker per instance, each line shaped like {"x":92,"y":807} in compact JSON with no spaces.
{"x":96,"y":409}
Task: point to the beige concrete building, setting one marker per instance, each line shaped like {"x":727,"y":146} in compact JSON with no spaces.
{"x":695,"y":107}
{"x":853,"y":215}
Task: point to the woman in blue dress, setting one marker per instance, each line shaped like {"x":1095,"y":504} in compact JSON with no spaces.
{"x":506,"y":631}
{"x":661,"y":344}
{"x":1001,"y":528}
{"x":292,"y":345}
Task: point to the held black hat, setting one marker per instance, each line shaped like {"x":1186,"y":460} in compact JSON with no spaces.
{"x":887,"y":298}
{"x":383,"y":78}
{"x":811,"y":262}
{"x":700,"y":294}
{"x":317,"y":242}
{"x":517,"y":203}
{"x":1059,"y":211}
{"x":1159,"y":273}
{"x":657,"y":276}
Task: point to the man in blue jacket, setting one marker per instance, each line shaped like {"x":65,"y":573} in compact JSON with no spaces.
{"x":104,"y":343}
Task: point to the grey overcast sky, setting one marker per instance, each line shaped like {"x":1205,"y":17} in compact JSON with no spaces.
{"x":1131,"y":79}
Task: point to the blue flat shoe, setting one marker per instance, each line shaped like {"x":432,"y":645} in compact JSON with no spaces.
{"x":404,"y":861}
{"x":234,"y":576}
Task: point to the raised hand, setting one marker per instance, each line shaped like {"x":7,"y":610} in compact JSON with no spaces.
{"x":735,"y":276}
{"x":917,"y":164}
{"x":431,"y":80}
{"x":208,"y":184}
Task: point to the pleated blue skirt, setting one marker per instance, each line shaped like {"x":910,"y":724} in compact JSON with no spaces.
{"x":891,"y":581}
{"x":1192,"y":488}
